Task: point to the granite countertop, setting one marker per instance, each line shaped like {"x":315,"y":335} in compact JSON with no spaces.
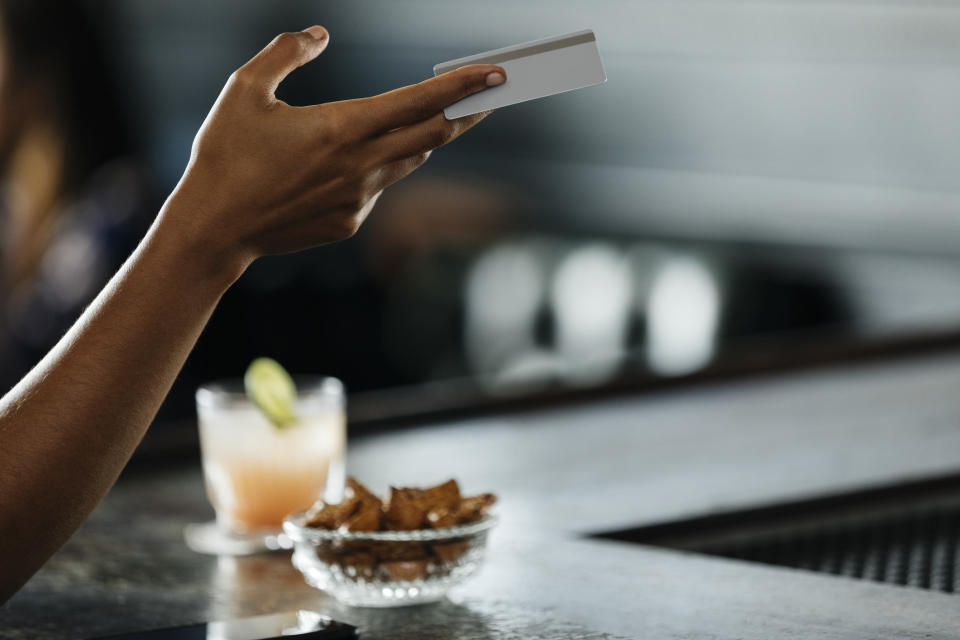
{"x":562,"y":474}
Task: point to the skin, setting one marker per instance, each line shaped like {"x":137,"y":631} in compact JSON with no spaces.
{"x":263,"y":178}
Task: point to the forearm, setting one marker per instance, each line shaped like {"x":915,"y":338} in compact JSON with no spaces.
{"x":264,"y":178}
{"x":68,"y":428}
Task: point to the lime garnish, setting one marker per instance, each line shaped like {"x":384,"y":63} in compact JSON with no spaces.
{"x":271,"y":389}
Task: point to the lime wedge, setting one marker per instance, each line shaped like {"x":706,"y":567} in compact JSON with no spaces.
{"x":271,"y":388}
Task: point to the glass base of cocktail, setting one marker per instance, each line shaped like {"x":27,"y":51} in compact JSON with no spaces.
{"x":210,"y":537}
{"x":258,"y":469}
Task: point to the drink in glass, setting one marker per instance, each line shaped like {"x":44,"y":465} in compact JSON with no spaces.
{"x":257,"y":472}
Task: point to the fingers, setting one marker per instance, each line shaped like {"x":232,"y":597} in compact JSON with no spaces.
{"x":334,"y":226}
{"x":424,"y":136}
{"x":284,"y":54}
{"x":400,"y":169}
{"x":417,"y":102}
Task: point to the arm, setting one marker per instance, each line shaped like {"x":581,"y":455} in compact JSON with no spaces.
{"x":263,"y":177}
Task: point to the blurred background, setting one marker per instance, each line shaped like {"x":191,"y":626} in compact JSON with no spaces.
{"x":758,"y":180}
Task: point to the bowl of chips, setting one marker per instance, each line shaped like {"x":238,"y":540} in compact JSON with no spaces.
{"x":408,"y":549}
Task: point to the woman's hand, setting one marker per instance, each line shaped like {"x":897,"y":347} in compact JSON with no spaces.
{"x":265,"y":177}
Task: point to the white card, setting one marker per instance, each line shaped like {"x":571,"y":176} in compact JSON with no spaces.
{"x":534,"y":70}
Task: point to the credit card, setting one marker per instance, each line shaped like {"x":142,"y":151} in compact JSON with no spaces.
{"x":534,"y":70}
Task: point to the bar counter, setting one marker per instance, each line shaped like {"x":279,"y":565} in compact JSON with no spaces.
{"x":564,"y":473}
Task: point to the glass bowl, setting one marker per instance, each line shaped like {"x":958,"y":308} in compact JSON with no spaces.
{"x":387,"y":568}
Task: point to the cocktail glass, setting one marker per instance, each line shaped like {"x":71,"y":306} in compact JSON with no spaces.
{"x":256,"y":472}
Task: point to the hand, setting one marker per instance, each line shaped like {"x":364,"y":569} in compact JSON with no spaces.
{"x":265,"y":177}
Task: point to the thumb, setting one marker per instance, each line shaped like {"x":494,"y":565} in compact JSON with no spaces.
{"x":284,"y":54}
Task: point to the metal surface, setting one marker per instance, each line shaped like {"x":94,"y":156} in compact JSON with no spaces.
{"x":916,"y":548}
{"x":904,"y":535}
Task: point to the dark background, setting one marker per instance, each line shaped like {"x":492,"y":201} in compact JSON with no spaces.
{"x":755,"y":175}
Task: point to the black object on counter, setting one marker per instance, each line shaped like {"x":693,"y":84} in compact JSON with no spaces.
{"x":305,"y":625}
